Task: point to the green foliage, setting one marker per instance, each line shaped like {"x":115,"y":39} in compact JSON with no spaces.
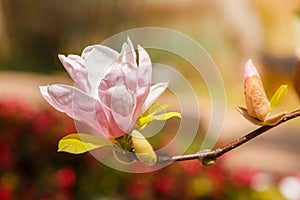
{"x":278,"y":96}
{"x":152,"y":114}
{"x":78,"y":143}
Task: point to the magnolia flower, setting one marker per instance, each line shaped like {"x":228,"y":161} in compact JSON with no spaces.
{"x":258,"y":106}
{"x":113,"y":89}
{"x":112,"y":95}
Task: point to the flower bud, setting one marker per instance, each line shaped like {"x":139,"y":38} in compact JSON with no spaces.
{"x":257,"y":103}
{"x":143,"y":149}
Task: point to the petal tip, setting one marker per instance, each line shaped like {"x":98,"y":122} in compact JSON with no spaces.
{"x":250,"y":69}
{"x":60,"y":56}
{"x":43,"y":89}
{"x":129,"y":41}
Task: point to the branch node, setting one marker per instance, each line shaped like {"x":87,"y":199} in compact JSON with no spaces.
{"x":207,"y":157}
{"x":208,"y":161}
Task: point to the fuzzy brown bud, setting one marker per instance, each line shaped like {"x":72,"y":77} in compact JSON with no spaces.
{"x":257,"y":102}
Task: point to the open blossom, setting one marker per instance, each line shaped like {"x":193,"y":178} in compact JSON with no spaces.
{"x":112,"y":89}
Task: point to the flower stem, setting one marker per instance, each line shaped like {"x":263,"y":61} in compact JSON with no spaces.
{"x":209,"y":157}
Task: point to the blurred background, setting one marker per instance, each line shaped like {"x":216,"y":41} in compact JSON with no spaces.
{"x":33,"y":32}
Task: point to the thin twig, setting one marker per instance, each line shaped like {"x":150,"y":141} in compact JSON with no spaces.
{"x":209,"y":157}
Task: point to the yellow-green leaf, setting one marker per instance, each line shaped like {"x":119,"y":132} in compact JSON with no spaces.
{"x":145,"y":118}
{"x":278,"y":96}
{"x":155,"y":108}
{"x":78,"y":143}
{"x":151,"y":114}
{"x":166,"y":116}
{"x":143,"y":126}
{"x":143,"y":122}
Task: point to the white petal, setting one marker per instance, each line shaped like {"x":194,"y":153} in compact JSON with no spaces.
{"x":98,"y":59}
{"x":45,"y":94}
{"x":122,"y":74}
{"x":155,"y":91}
{"x":145,"y":68}
{"x":128,"y":53}
{"x":77,"y":105}
{"x":121,"y":102}
{"x":75,"y":67}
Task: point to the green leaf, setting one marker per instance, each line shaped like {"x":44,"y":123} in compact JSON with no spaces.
{"x":78,"y":143}
{"x":166,"y":116}
{"x":156,"y":108}
{"x":160,"y":117}
{"x":145,"y":118}
{"x":278,"y":96}
{"x":151,"y":114}
{"x":142,"y":121}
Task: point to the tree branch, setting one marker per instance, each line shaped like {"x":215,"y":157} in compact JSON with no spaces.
{"x":209,"y":157}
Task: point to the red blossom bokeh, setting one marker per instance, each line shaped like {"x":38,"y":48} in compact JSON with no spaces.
{"x":31,"y":167}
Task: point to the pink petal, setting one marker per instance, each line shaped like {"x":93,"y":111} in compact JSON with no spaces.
{"x":141,"y":95}
{"x":98,"y":59}
{"x":145,"y":68}
{"x":47,"y":97}
{"x":75,"y":67}
{"x":155,"y":91}
{"x":122,"y":74}
{"x":77,"y":105}
{"x":113,"y":127}
{"x":144,"y":80}
{"x":128,"y":53}
{"x":121,"y":104}
{"x":250,"y":70}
